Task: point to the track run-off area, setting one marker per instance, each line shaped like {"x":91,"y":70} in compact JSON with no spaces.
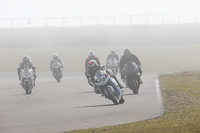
{"x":71,"y":104}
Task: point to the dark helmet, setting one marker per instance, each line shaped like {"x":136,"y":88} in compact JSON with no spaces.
{"x":91,"y":55}
{"x":113,"y":53}
{"x":127,"y":52}
{"x":26,"y":58}
{"x":92,"y":65}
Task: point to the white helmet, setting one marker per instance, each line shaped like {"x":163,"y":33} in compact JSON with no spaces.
{"x":55,"y":55}
{"x":26,"y":58}
{"x":91,"y":54}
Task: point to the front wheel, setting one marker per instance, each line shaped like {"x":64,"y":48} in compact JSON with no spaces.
{"x":27,"y":87}
{"x":57,"y":75}
{"x":112,"y":96}
{"x":134,"y":85}
{"x":58,"y":80}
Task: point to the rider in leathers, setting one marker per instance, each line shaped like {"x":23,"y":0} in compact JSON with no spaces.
{"x":112,"y":54}
{"x":91,"y":56}
{"x":92,"y":68}
{"x":128,"y":56}
{"x":54,"y":59}
{"x":26,"y":62}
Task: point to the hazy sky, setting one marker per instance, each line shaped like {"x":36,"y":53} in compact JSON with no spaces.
{"x":68,"y":8}
{"x":173,"y":10}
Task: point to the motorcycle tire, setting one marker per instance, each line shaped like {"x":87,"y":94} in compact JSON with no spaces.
{"x":111,"y":96}
{"x":134,"y":85}
{"x":27,"y":87}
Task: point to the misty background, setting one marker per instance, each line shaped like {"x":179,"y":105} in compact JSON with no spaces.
{"x":165,"y":35}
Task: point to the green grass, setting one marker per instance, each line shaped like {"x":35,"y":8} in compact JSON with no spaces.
{"x":154,"y":58}
{"x":181,"y":95}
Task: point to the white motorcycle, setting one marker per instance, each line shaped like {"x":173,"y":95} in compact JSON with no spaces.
{"x":112,"y":64}
{"x":56,"y":69}
{"x":108,"y":87}
{"x":27,"y":80}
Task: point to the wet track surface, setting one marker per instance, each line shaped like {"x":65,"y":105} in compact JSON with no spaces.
{"x":71,"y":104}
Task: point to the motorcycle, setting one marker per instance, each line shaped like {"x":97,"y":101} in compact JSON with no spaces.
{"x":108,"y":87}
{"x":27,"y":80}
{"x":132,"y":77}
{"x":113,"y":65}
{"x":56,"y":69}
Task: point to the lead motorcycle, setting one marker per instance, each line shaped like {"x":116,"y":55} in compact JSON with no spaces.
{"x":56,"y":70}
{"x":27,"y":80}
{"x":108,"y":87}
{"x":113,"y":65}
{"x":132,"y":77}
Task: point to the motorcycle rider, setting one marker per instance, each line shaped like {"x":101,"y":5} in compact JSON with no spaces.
{"x":112,"y":54}
{"x":92,"y":68}
{"x":128,"y":56}
{"x":26,"y":62}
{"x":54,"y":59}
{"x":91,"y":56}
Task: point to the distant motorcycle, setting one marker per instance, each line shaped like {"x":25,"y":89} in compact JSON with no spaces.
{"x":56,"y":69}
{"x":108,"y":87}
{"x":132,"y":78}
{"x":27,"y":80}
{"x":113,"y":65}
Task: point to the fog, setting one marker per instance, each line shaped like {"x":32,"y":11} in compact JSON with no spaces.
{"x":173,"y":12}
{"x":150,"y":28}
{"x":188,"y":34}
{"x":78,"y":8}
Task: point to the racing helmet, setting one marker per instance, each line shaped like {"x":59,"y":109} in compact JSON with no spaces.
{"x":113,"y":53}
{"x":91,"y":55}
{"x":26,"y":58}
{"x":92,"y":65}
{"x":55,"y":56}
{"x":127,"y":52}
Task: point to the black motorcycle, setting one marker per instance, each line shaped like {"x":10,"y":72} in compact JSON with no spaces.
{"x":131,"y":76}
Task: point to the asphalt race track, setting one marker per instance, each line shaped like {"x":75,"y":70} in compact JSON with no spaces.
{"x":71,"y":104}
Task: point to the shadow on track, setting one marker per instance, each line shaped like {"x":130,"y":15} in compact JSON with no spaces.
{"x":129,"y":94}
{"x":87,"y":92}
{"x":19,"y":94}
{"x":93,"y":106}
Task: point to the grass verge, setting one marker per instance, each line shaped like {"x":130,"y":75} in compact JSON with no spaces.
{"x":181,"y":94}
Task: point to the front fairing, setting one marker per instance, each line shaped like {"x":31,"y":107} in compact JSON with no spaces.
{"x":27,"y":73}
{"x":112,"y":63}
{"x":101,"y":77}
{"x":130,"y":69}
{"x":56,"y":65}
